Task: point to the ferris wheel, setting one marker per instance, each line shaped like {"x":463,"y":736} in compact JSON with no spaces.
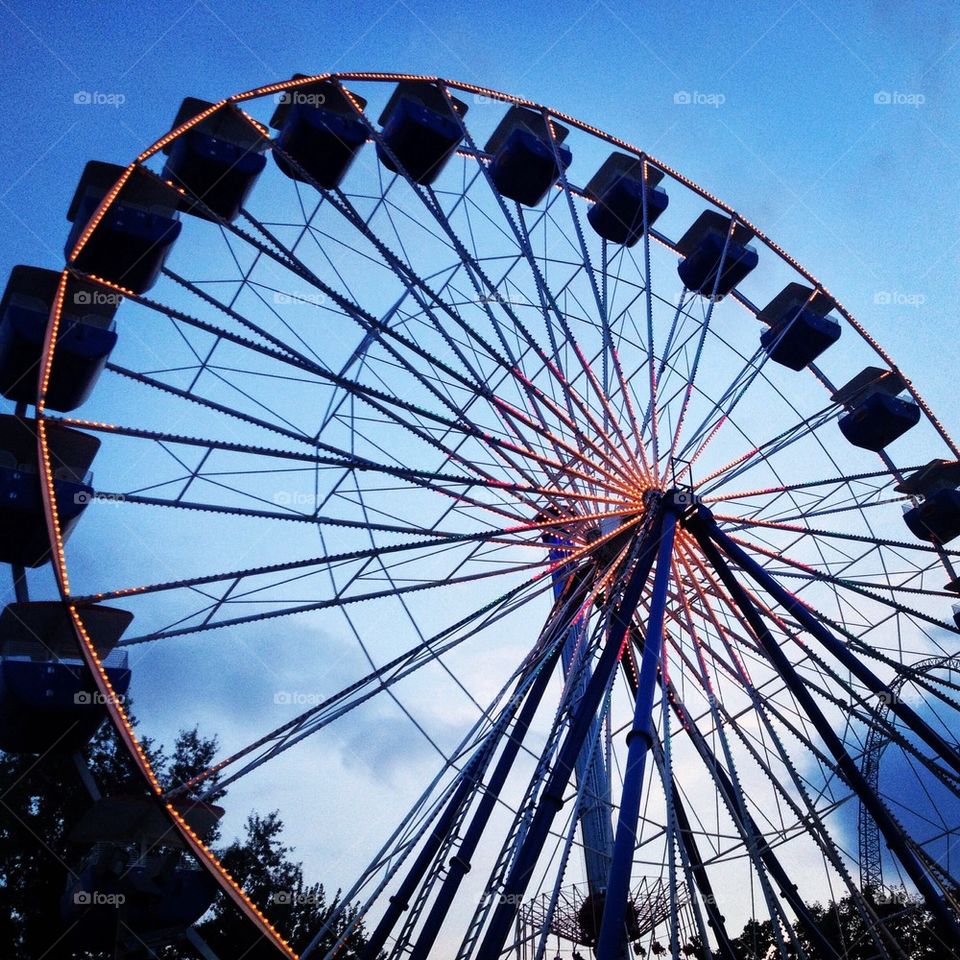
{"x":583,"y":539}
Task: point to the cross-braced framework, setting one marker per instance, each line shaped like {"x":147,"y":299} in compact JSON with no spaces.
{"x":504,"y":557}
{"x":570,"y":915}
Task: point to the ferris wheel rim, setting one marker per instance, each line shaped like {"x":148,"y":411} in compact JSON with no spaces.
{"x":117,"y":714}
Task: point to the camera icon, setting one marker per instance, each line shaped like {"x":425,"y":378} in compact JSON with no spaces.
{"x":283,"y":696}
{"x":684,"y":498}
{"x":83,"y":698}
{"x":82,"y":498}
{"x":82,"y":898}
{"x":682,"y":97}
{"x":282,"y":896}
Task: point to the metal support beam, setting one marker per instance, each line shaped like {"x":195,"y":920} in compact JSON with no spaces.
{"x":593,"y":777}
{"x":809,"y":621}
{"x":612,"y":942}
{"x":733,"y":797}
{"x":704,"y":528}
{"x":460,"y":863}
{"x":552,"y":797}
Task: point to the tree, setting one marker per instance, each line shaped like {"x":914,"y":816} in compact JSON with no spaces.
{"x":41,"y":799}
{"x":906,"y":916}
{"x":755,"y":940}
{"x":261,"y":865}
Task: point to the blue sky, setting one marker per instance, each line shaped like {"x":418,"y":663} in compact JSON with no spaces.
{"x":834,"y":128}
{"x":787,"y":130}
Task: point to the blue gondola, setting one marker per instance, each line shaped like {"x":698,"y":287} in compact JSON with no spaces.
{"x":130,"y":243}
{"x":135,"y":883}
{"x":876,"y":414}
{"x":617,"y":189}
{"x":800,"y":329}
{"x":85,"y":337}
{"x":319,"y":131}
{"x":878,"y":421}
{"x":47,"y":700}
{"x":421,"y":129}
{"x":25,"y":541}
{"x":702,"y":248}
{"x":146,"y":898}
{"x":217,"y":161}
{"x":136,"y":819}
{"x":936,"y":518}
{"x":525,"y":156}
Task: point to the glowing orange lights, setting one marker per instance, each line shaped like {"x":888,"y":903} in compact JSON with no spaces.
{"x":607,"y":454}
{"x":101,"y":211}
{"x":111,"y":701}
{"x":183,"y":128}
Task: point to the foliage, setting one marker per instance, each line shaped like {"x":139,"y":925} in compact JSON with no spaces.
{"x":42,"y":799}
{"x":845,"y":928}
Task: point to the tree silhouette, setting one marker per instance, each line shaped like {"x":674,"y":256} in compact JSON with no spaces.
{"x":41,"y":799}
{"x":906,"y":916}
{"x":261,"y":865}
